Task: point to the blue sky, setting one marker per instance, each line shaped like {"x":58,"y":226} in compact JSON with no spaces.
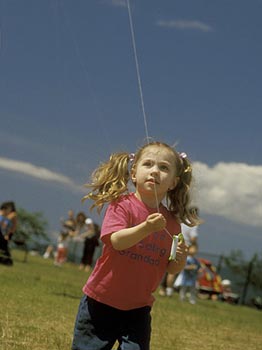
{"x":70,"y":97}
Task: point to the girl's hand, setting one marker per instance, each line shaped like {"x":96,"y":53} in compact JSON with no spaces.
{"x":181,"y":254}
{"x":128,"y":237}
{"x":155,"y":222}
{"x":177,"y":265}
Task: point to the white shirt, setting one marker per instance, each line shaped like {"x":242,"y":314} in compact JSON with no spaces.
{"x":189,"y":233}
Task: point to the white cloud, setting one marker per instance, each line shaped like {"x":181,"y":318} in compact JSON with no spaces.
{"x":231,"y":190}
{"x":37,"y":172}
{"x":185,"y":24}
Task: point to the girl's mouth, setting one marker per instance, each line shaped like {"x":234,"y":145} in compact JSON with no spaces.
{"x":152,"y":181}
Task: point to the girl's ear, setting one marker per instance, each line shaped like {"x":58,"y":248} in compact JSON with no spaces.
{"x":133,"y":175}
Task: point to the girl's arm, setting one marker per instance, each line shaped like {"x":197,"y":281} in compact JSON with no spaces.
{"x":128,"y":237}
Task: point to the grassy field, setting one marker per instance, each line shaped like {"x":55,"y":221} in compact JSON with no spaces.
{"x":39,"y":303}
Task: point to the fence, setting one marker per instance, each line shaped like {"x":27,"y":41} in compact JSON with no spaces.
{"x":240,"y":284}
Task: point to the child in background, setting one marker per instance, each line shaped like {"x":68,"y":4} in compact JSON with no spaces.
{"x":137,"y":233}
{"x":189,"y":276}
{"x":190,"y":235}
{"x":63,"y":239}
{"x":62,"y":249}
{"x":68,"y":225}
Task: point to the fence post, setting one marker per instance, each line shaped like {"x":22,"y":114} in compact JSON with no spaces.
{"x":219,"y":264}
{"x":248,"y":278}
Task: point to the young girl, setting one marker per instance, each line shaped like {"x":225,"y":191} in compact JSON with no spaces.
{"x":62,"y":248}
{"x":137,"y":233}
{"x":189,"y":276}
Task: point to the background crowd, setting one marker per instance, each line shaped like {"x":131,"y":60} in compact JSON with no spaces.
{"x":79,"y":242}
{"x":76,"y":230}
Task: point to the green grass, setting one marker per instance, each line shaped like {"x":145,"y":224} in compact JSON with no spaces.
{"x":39,"y":303}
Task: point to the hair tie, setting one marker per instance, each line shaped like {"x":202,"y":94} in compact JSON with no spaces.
{"x":188,"y":169}
{"x":132,"y":157}
{"x":183,"y":155}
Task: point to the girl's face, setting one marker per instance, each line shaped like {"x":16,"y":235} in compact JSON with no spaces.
{"x":154,"y":174}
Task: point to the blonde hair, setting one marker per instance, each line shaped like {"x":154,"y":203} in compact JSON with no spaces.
{"x":110,"y":181}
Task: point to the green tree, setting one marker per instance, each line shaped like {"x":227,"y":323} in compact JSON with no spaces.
{"x":31,"y":226}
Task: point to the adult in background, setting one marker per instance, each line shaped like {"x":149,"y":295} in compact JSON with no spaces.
{"x":4,"y":222}
{"x":190,"y":233}
{"x":8,"y":225}
{"x":69,"y":224}
{"x":77,"y":235}
{"x":91,"y":236}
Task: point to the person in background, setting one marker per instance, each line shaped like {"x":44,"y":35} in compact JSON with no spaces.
{"x":68,"y":225}
{"x":80,"y":226}
{"x":137,"y":233}
{"x":189,"y":276}
{"x":4,"y":222}
{"x":77,"y":235}
{"x":190,"y":235}
{"x":8,"y":225}
{"x":90,"y":236}
{"x":227,"y":294}
{"x":62,"y":249}
{"x":12,"y":217}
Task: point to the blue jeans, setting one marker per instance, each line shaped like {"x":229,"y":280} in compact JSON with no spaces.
{"x":99,"y":326}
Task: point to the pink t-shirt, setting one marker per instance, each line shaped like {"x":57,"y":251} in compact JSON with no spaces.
{"x":126,"y":279}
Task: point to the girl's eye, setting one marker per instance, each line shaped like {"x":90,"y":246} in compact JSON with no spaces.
{"x":147,"y":163}
{"x":164,"y":167}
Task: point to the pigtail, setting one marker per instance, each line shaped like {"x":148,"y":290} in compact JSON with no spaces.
{"x":109,"y":181}
{"x":179,"y":198}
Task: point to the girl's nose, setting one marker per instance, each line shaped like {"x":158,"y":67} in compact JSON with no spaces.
{"x":154,"y":169}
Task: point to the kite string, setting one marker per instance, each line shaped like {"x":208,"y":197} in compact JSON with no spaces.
{"x":141,"y":92}
{"x":137,"y":70}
